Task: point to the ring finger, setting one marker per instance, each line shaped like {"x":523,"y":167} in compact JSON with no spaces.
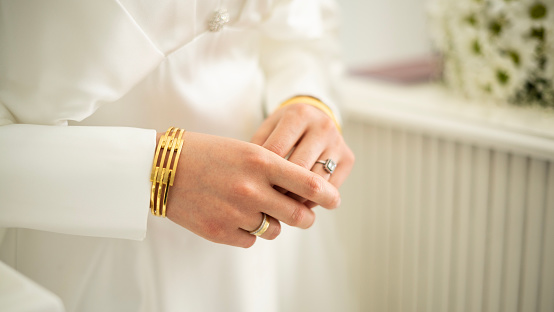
{"x":306,"y":154}
{"x":271,"y":229}
{"x":308,"y":149}
{"x":325,"y":166}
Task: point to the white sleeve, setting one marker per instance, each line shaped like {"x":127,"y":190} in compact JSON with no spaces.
{"x":300,"y":53}
{"x":90,"y":181}
{"x":60,"y":61}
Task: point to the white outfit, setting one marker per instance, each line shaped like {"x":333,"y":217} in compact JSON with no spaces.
{"x":84,"y":85}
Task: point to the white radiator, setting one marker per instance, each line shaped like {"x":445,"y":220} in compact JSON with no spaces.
{"x":437,"y":219}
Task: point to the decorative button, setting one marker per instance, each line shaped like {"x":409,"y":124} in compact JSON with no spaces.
{"x":218,"y":20}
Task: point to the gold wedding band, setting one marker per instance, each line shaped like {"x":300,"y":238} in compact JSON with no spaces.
{"x":262,"y":228}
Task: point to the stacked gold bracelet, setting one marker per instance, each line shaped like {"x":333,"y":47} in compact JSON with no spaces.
{"x":164,"y":168}
{"x":315,"y":102}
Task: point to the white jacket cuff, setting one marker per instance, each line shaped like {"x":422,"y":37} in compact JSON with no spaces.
{"x":91,"y":181}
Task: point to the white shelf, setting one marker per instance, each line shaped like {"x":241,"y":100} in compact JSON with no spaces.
{"x":431,"y":109}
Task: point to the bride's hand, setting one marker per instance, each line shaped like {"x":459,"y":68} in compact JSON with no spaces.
{"x":222,"y":187}
{"x":313,"y":135}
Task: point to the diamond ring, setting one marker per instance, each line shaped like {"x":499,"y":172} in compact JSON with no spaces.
{"x":329,"y":165}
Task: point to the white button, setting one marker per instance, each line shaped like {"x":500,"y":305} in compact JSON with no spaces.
{"x":218,"y":20}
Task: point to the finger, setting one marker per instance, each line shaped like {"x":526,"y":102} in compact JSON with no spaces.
{"x":319,"y":165}
{"x":307,"y":151}
{"x":287,"y":210}
{"x":319,"y":169}
{"x":304,"y":183}
{"x":272,"y":231}
{"x":265,"y":129}
{"x":340,"y":174}
{"x":228,"y":235}
{"x":241,"y":238}
{"x":344,"y":166}
{"x":284,"y":137}
{"x":337,"y":178}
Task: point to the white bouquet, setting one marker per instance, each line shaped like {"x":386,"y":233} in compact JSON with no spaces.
{"x":502,"y":50}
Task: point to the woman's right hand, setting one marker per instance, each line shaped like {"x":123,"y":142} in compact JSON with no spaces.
{"x":222,"y":187}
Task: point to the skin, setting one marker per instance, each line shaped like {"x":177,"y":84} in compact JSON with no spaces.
{"x":313,"y":135}
{"x":222,"y":186}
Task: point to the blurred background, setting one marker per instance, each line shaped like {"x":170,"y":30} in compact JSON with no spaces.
{"x":450,"y":206}
{"x":383,"y":32}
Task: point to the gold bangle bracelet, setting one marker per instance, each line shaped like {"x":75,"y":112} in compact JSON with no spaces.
{"x":180,"y":147}
{"x":310,"y":100}
{"x":161,"y":173}
{"x":169,"y":172}
{"x":163,"y":169}
{"x":155,"y":171}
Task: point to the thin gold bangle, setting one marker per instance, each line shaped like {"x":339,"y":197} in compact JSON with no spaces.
{"x":160,"y":176}
{"x":155,"y":169}
{"x":174,"y":168}
{"x":171,"y":167}
{"x":310,"y":100}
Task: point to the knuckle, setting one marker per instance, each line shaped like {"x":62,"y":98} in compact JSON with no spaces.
{"x":297,"y":216}
{"x":311,"y":223}
{"x":249,"y":242}
{"x":301,"y":110}
{"x":348,"y":154}
{"x":314,"y":185}
{"x":244,"y":190}
{"x":327,"y":125}
{"x":351,"y":156}
{"x":303,"y":163}
{"x":276,"y":231}
{"x":348,"y":158}
{"x":276,"y":147}
{"x":257,"y":158}
{"x":214,"y":231}
{"x":335,"y":201}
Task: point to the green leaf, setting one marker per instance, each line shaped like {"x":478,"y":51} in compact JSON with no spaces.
{"x":537,"y":11}
{"x":502,"y":77}
{"x":476,"y":47}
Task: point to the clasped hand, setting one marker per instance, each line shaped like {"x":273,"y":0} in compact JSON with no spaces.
{"x":223,"y":185}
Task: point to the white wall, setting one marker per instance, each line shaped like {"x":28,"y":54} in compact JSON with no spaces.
{"x":383,"y":31}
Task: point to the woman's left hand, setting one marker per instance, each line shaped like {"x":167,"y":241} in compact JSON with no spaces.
{"x":308,"y":135}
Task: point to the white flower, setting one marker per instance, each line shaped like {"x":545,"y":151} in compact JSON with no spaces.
{"x":496,"y":49}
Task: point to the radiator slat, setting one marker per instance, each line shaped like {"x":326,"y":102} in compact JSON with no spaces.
{"x":396,"y":220}
{"x":477,"y":230}
{"x":460,"y":225}
{"x":412,"y":220}
{"x":533,"y":235}
{"x":546,"y":299}
{"x":514,"y":233}
{"x":428,"y":224}
{"x":443,"y":230}
{"x":370,"y":217}
{"x":496,"y":230}
{"x":383,"y":163}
